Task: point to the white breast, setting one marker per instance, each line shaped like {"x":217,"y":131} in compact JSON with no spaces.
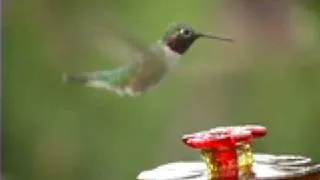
{"x":171,"y":56}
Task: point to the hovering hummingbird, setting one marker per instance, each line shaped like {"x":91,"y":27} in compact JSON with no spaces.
{"x":148,"y":68}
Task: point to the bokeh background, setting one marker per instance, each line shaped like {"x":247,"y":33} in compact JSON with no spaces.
{"x":270,"y":76}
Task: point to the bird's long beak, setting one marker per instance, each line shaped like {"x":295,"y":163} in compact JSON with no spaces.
{"x":215,"y":37}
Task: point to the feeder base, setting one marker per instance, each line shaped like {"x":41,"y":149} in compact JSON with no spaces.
{"x":266,"y":166}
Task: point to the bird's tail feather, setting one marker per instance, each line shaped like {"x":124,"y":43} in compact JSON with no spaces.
{"x":75,"y":79}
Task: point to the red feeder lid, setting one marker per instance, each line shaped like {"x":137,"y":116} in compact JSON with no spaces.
{"x":206,"y":140}
{"x":222,"y":137}
{"x":256,"y":130}
{"x":241,"y":135}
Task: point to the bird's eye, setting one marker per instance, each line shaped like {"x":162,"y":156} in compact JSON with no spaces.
{"x":185,"y":32}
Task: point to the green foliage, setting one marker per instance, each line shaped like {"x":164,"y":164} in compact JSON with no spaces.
{"x":56,"y":131}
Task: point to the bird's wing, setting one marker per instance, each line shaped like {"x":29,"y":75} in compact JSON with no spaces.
{"x":115,"y":40}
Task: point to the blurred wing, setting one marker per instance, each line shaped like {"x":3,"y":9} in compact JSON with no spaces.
{"x":115,"y":41}
{"x":146,"y":60}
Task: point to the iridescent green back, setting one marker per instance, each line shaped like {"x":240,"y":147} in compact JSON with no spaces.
{"x":117,"y":77}
{"x":146,"y":70}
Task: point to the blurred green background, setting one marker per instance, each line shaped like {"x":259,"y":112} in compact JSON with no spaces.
{"x":270,"y":76}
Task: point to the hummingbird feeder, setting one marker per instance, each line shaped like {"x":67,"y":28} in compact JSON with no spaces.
{"x":227,"y":151}
{"x":228,"y":154}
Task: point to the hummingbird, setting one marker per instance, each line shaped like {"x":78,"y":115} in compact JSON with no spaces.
{"x":148,"y":67}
